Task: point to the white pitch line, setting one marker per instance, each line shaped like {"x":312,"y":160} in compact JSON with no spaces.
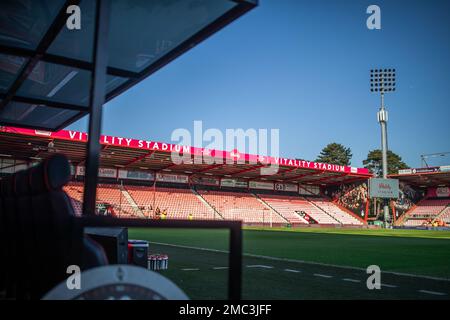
{"x":190,"y":269}
{"x":351,"y":280}
{"x":323,"y":275}
{"x":292,"y":270}
{"x":303,"y":262}
{"x":220,"y":268}
{"x":435,"y":293}
{"x":388,"y":285}
{"x":259,"y":266}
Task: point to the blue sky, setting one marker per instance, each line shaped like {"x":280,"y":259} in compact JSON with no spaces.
{"x":303,"y":67}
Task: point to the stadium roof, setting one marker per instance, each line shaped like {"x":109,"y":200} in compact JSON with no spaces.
{"x":425,"y":177}
{"x":45,"y":68}
{"x":118,"y":152}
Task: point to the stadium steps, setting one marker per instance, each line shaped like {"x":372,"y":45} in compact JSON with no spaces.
{"x":443,"y":212}
{"x":207,"y":204}
{"x":346,"y":210}
{"x":264,"y":203}
{"x":132,"y":203}
{"x":349,"y":212}
{"x":404,"y":217}
{"x":290,"y":215}
{"x":321,"y":209}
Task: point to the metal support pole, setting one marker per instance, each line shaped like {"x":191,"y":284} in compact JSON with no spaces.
{"x":383,"y":119}
{"x":235,"y":263}
{"x":96,"y":100}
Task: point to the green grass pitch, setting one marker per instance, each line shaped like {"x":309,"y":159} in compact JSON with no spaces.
{"x":308,"y":263}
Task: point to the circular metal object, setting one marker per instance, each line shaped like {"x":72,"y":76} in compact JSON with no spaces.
{"x":119,"y":282}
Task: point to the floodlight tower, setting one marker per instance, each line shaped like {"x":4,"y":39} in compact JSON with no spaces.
{"x":383,"y":81}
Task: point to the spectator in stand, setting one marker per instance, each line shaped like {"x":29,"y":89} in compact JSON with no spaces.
{"x":352,"y":196}
{"x":190,"y":216}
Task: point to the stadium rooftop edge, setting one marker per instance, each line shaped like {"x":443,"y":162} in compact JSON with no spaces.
{"x":136,"y":154}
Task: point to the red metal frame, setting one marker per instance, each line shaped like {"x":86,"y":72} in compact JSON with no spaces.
{"x":327,"y":178}
{"x":209,"y":168}
{"x":304,"y":175}
{"x":148,"y":154}
{"x":246,"y":170}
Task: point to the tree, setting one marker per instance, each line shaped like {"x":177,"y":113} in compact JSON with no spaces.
{"x":335,"y":153}
{"x":374,"y":162}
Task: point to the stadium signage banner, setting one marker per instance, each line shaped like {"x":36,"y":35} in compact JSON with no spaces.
{"x":206,"y":181}
{"x":425,"y":170}
{"x":102,"y":172}
{"x":261,"y":185}
{"x":174,"y":178}
{"x":219,"y":155}
{"x":383,"y":188}
{"x":136,"y":175}
{"x":308,"y":190}
{"x":288,"y":187}
{"x":441,"y":192}
{"x":233,"y":183}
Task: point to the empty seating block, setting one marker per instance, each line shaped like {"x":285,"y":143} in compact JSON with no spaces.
{"x":427,"y":209}
{"x":288,"y":205}
{"x":106,"y":193}
{"x":240,"y":206}
{"x":336,"y":212}
{"x":179,"y":203}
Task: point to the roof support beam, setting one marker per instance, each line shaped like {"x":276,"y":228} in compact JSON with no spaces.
{"x":53,"y":104}
{"x":348,"y":181}
{"x":65,"y":61}
{"x":137,"y":159}
{"x":42,"y":47}
{"x":96,"y":100}
{"x":327,"y":178}
{"x":304,"y":175}
{"x":247,"y":170}
{"x":169,"y":166}
{"x":209,"y":168}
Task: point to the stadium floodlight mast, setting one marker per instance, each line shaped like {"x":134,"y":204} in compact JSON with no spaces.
{"x":383,"y":81}
{"x":424,"y":157}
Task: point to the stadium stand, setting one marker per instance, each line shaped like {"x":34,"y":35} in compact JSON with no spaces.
{"x":240,"y":206}
{"x":178,"y":203}
{"x":425,"y":210}
{"x":285,"y":206}
{"x":445,"y":216}
{"x":336,"y":212}
{"x":75,"y":193}
{"x":106,"y":193}
{"x":288,"y":205}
